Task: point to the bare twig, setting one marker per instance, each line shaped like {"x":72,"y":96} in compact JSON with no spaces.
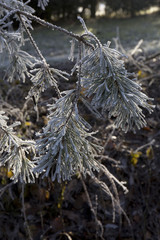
{"x":157,"y":75}
{"x":108,"y":158}
{"x":99,"y":224}
{"x":145,"y":145}
{"x":2,"y":190}
{"x":152,"y":56}
{"x":24,"y":214}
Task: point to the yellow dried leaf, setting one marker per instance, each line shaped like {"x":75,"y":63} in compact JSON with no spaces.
{"x":141,"y":74}
{"x":27,"y":123}
{"x":134,"y":161}
{"x":134,"y":157}
{"x":9,"y":174}
{"x":150,"y":153}
{"x":59,"y":205}
{"x":47,"y":194}
{"x":136,"y":154}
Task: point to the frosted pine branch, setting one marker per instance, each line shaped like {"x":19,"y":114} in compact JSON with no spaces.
{"x":64,"y":147}
{"x":20,"y":5}
{"x":113,"y":89}
{"x":43,"y":78}
{"x":20,"y":61}
{"x":43,"y":3}
{"x":15,"y":152}
{"x":65,"y":144}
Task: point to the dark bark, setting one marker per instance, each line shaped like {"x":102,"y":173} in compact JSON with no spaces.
{"x":93,"y":8}
{"x":132,"y":8}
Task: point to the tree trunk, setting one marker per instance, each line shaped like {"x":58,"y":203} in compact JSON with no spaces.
{"x":93,"y":8}
{"x":132,"y":8}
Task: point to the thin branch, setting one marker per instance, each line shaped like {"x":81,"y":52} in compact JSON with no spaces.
{"x":5,"y":131}
{"x":92,"y":209}
{"x":78,"y":89}
{"x":79,"y":72}
{"x":39,"y":53}
{"x":91,"y":35}
{"x":2,"y":190}
{"x":101,"y":156}
{"x":32,"y":40}
{"x":145,"y":145}
{"x":47,"y":24}
{"x":156,"y":75}
{"x":152,"y":56}
{"x":24,"y":214}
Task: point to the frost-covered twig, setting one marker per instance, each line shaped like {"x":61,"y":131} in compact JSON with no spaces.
{"x":43,"y":73}
{"x":32,"y":40}
{"x":15,"y":153}
{"x":47,"y":24}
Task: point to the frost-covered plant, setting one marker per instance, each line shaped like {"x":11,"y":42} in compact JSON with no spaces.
{"x":43,"y":78}
{"x":66,"y":145}
{"x":43,"y":3}
{"x":20,"y":61}
{"x":15,"y":153}
{"x":113,"y":89}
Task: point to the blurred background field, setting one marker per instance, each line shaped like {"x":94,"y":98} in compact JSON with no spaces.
{"x":55,"y":46}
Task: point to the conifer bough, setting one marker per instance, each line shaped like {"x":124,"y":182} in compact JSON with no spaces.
{"x":65,"y":145}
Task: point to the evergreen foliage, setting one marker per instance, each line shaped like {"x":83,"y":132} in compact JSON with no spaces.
{"x":66,"y":145}
{"x":63,"y":147}
{"x":113,"y":89}
{"x":15,"y":153}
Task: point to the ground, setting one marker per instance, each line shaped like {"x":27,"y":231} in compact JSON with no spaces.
{"x":62,"y":211}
